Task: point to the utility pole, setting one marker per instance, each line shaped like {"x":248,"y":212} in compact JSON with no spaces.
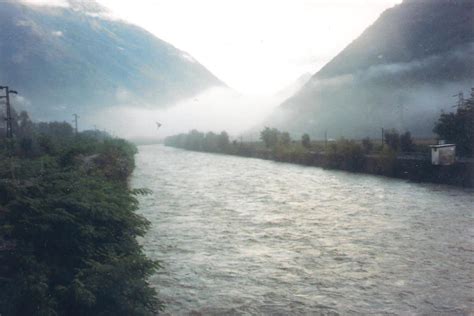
{"x":9,"y":111}
{"x":75,"y":122}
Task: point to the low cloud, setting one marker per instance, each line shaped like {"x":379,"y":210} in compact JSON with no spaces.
{"x":216,"y":109}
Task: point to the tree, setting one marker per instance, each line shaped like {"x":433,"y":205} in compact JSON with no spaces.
{"x":270,"y":137}
{"x":68,"y":231}
{"x":406,"y":142}
{"x":367,"y":145}
{"x":76,"y":251}
{"x":223,"y":141}
{"x":305,"y":141}
{"x":397,"y":142}
{"x":345,"y":154}
{"x":285,"y":138}
{"x":458,"y":128}
{"x":211,"y":142}
{"x":195,"y":140}
{"x":392,"y":139}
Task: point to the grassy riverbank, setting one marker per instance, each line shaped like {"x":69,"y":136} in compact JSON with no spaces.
{"x":68,"y":225}
{"x":366,"y":156}
{"x":396,"y":155}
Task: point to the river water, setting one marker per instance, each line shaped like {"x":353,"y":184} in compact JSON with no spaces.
{"x":247,"y":236}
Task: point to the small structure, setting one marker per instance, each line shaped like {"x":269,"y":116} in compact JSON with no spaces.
{"x":443,"y":154}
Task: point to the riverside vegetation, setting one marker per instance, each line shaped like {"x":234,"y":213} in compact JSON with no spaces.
{"x":68,"y":227}
{"x":397,"y":156}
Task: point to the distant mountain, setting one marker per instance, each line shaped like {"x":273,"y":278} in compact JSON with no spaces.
{"x":293,"y":87}
{"x":77,"y":59}
{"x":398,"y":74}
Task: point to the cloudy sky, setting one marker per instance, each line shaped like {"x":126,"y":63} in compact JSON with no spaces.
{"x":255,"y":46}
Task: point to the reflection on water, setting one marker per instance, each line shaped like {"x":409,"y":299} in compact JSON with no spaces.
{"x":248,"y":236}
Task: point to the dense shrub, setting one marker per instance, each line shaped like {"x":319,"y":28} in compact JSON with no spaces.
{"x":68,"y":227}
{"x":458,"y":127}
{"x":305,"y":141}
{"x":195,"y":140}
{"x":345,"y":154}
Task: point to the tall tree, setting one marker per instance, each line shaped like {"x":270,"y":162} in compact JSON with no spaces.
{"x":458,"y":127}
{"x":306,"y":141}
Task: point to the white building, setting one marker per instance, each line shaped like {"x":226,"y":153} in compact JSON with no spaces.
{"x":443,"y":155}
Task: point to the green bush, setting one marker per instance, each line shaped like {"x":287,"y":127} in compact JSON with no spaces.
{"x":69,"y":228}
{"x":345,"y":154}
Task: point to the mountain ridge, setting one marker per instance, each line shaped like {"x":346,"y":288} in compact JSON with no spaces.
{"x":399,"y":73}
{"x":75,"y":59}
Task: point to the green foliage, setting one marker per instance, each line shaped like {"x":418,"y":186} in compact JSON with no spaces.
{"x":223,"y":141}
{"x":305,"y":141}
{"x":69,"y":228}
{"x":458,"y":128}
{"x":285,"y":138}
{"x":76,"y":251}
{"x":195,"y":140}
{"x":386,"y":162}
{"x":397,"y":142}
{"x":406,"y":142}
{"x":345,"y":154}
{"x":392,"y":139}
{"x":272,"y":137}
{"x":294,"y":153}
{"x":367,"y":145}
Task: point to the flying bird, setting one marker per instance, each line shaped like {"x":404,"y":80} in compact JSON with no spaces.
{"x":158,"y":125}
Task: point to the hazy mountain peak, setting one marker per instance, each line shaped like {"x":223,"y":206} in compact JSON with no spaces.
{"x":399,"y":73}
{"x":68,"y":57}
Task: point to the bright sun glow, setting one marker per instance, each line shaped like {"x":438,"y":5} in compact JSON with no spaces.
{"x":256,"y":47}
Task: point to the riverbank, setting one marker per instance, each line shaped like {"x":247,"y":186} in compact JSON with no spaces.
{"x":348,"y":157}
{"x":68,"y":225}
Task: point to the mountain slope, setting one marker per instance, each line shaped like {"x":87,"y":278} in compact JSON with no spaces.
{"x":398,"y":74}
{"x":75,"y":59}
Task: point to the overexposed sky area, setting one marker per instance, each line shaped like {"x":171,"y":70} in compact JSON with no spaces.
{"x":255,"y":46}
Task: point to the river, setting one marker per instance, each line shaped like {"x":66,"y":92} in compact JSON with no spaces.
{"x":247,"y":236}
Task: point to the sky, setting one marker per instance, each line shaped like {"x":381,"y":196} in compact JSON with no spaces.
{"x":257,"y":47}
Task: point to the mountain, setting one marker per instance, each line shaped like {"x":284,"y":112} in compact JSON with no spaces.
{"x":400,"y":73}
{"x":76,"y":58}
{"x":293,"y":87}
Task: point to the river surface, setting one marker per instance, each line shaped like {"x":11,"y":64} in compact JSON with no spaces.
{"x":245,"y":236}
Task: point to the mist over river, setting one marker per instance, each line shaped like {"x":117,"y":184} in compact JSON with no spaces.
{"x":247,"y":236}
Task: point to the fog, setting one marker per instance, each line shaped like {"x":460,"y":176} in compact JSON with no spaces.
{"x":216,"y":109}
{"x":404,"y":96}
